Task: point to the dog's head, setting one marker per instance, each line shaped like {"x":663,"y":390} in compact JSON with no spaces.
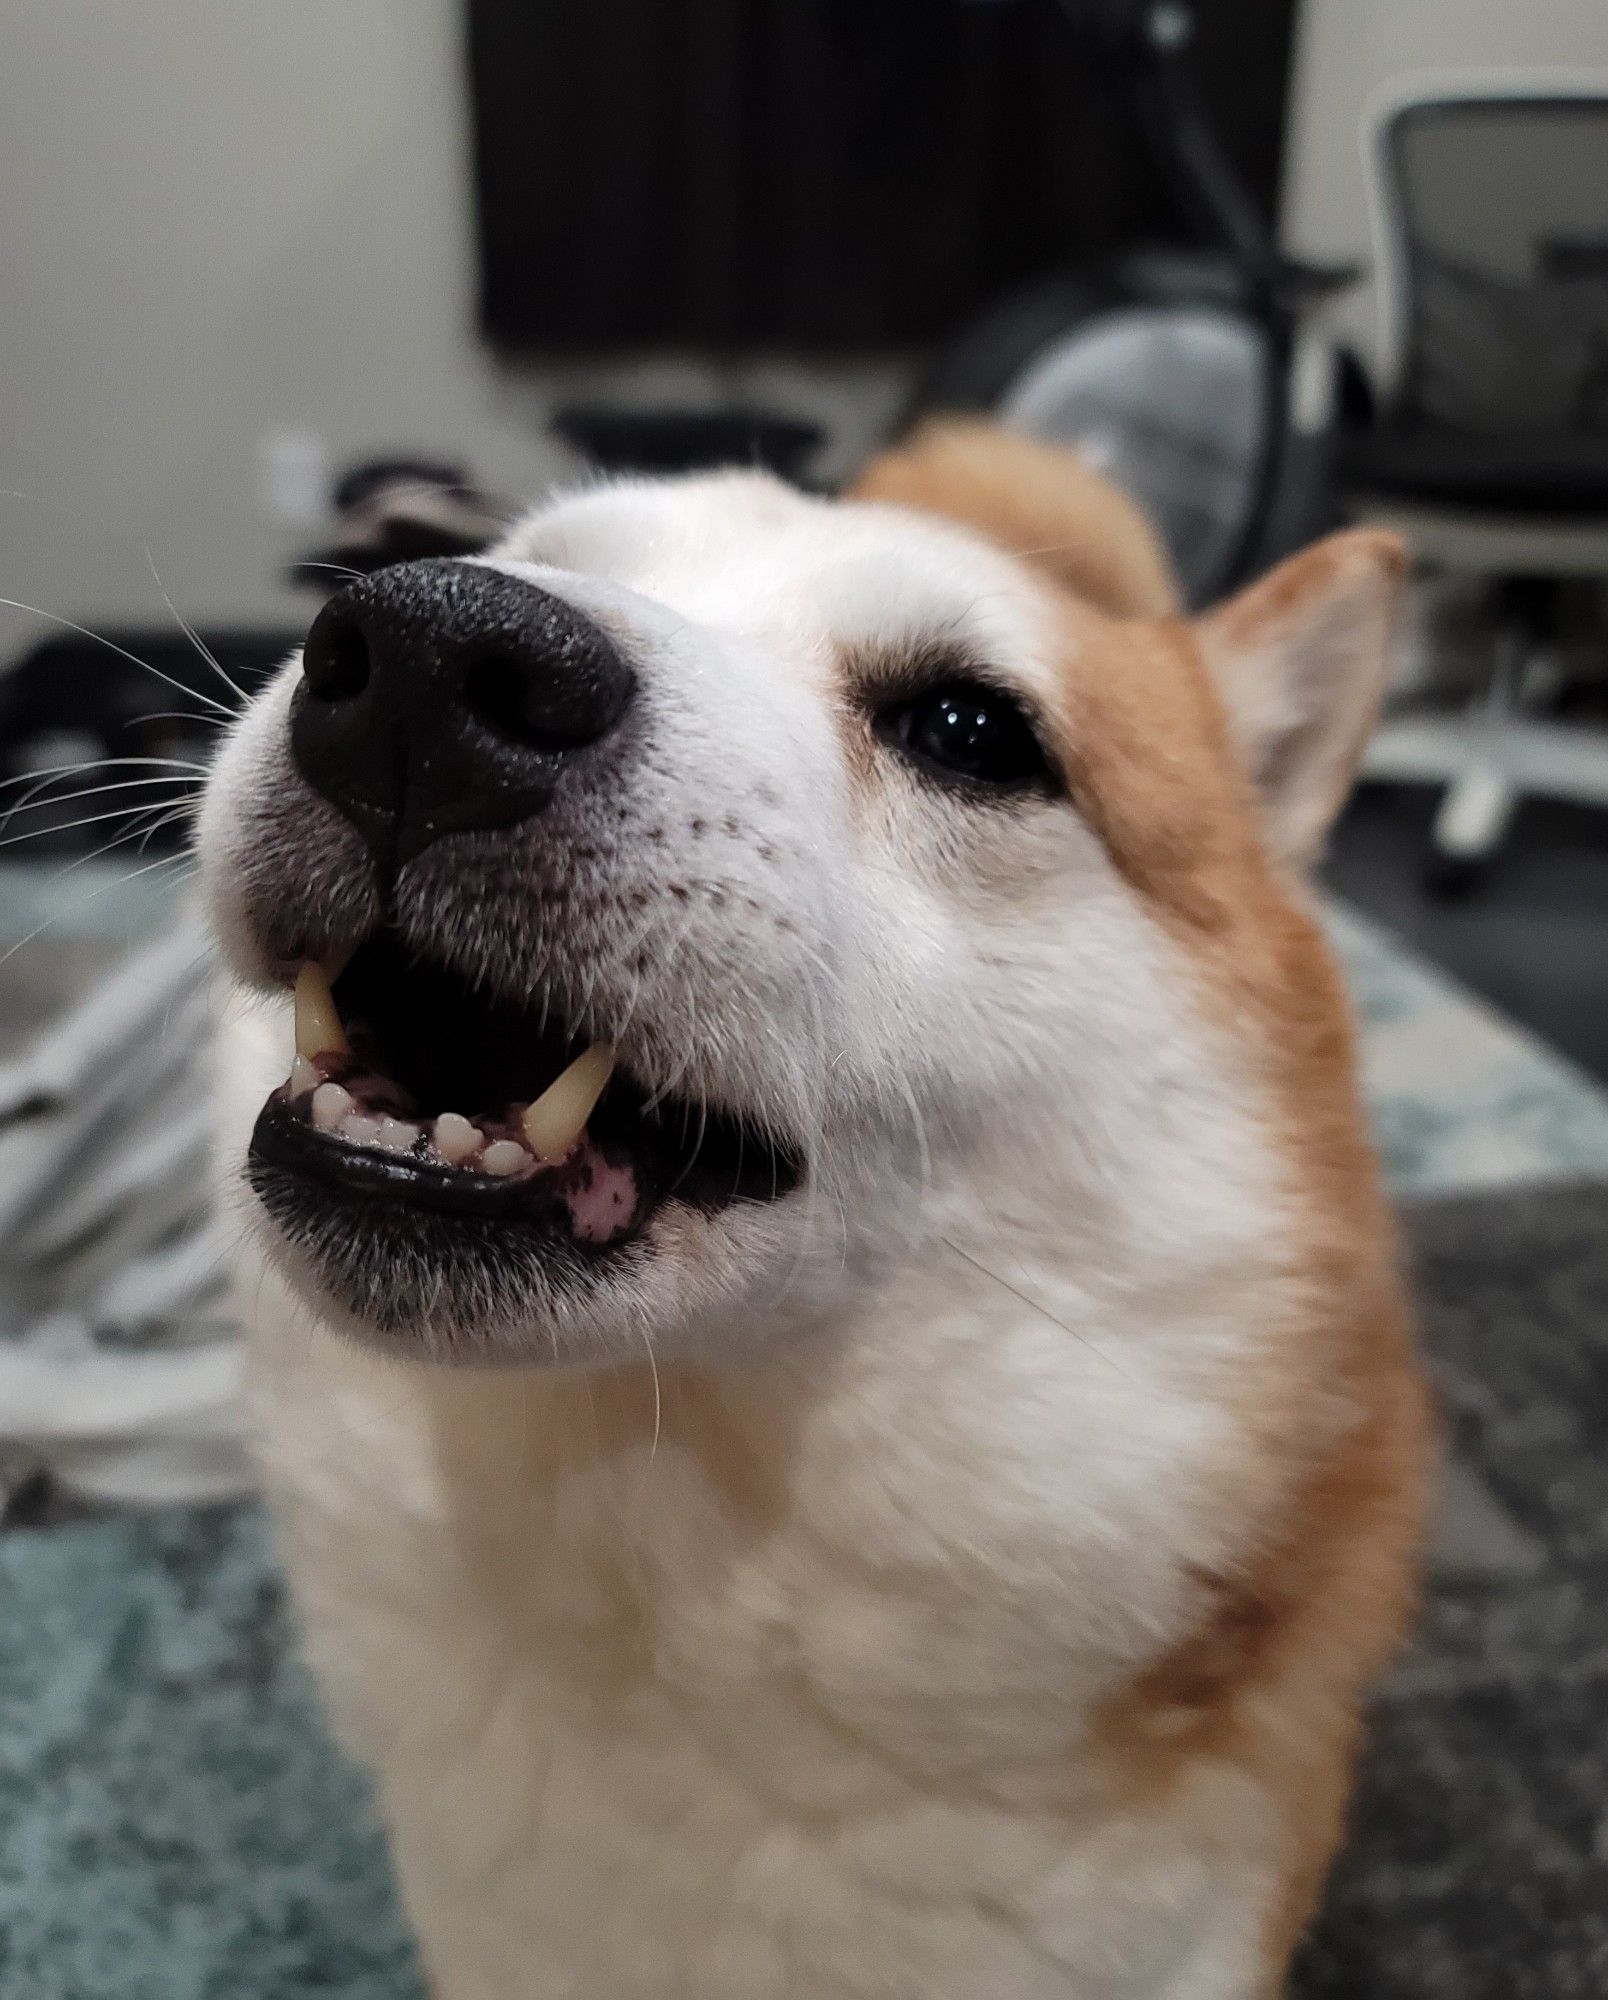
{"x":853,"y":869}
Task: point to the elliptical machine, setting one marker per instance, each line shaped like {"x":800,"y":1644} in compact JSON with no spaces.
{"x":1199,"y":379}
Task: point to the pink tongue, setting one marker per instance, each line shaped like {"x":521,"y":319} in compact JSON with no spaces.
{"x":604,"y":1200}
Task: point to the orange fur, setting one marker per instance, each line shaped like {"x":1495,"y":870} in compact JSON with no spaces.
{"x":1274,"y":1674}
{"x":1272,"y":1678}
{"x":1035,"y":500}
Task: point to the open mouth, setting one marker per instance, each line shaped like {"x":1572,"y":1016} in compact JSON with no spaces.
{"x":413,"y":1092}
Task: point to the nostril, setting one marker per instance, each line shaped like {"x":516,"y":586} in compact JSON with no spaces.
{"x":335,"y":658}
{"x":441,"y":697}
{"x":520,"y":703}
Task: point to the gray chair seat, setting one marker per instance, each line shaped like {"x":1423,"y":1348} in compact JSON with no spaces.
{"x":1548,"y":474}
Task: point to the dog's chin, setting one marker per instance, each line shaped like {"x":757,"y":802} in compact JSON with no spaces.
{"x":419,"y":1282}
{"x":418,"y":1285}
{"x":435,"y":1235}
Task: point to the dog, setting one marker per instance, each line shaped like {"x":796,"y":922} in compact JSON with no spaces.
{"x":830,"y":1354}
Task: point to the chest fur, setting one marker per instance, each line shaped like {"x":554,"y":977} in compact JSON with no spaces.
{"x":775,"y":1679}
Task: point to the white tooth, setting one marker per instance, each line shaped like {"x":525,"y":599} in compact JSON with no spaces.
{"x":507,"y":1156}
{"x":456,"y":1140}
{"x":359,"y":1129}
{"x":396,"y":1135}
{"x":318,"y":1022}
{"x":303,"y":1077}
{"x":558,"y":1117}
{"x":330,"y":1106}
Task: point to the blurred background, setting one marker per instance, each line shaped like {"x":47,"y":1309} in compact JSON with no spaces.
{"x":290,"y":291}
{"x":253,"y":258}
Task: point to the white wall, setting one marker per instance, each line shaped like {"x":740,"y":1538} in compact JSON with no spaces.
{"x":220,"y":219}
{"x":1346,"y":50}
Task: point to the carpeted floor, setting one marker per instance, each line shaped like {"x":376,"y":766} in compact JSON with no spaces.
{"x":173,"y":1825}
{"x":173,"y":1822}
{"x":1479,"y":1868}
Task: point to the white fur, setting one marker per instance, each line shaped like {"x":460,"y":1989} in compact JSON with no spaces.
{"x":636,"y":1737}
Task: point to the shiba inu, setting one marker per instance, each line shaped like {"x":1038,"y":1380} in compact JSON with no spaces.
{"x":829,"y":1350}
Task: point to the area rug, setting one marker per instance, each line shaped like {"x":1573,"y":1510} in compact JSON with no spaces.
{"x":1479,"y":1867}
{"x":175,"y":1826}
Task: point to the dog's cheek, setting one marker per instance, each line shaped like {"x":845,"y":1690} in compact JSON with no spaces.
{"x":282,"y":874}
{"x":220,"y":840}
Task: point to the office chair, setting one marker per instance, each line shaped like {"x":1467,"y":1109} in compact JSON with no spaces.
{"x":1489,"y":452}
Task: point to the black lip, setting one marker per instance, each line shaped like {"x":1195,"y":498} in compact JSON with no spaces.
{"x":385,"y":1234}
{"x":457,"y":1287}
{"x":282,"y":1139}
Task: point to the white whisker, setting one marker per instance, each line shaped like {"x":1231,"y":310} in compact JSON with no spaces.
{"x":111,"y":645}
{"x":192,"y":635}
{"x":43,"y":795}
{"x":81,"y":767}
{"x":86,"y":819}
{"x":121,"y":882}
{"x":1034,"y":1305}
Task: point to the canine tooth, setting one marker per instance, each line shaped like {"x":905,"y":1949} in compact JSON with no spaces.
{"x":303,"y":1077}
{"x":318,"y":1022}
{"x":558,"y":1117}
{"x":396,"y":1135}
{"x":506,"y":1156}
{"x":330,"y":1106}
{"x":456,"y":1140}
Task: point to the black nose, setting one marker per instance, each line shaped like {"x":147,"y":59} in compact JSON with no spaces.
{"x":441,"y":697}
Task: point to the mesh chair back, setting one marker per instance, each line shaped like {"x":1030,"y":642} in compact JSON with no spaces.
{"x":1499,"y":210}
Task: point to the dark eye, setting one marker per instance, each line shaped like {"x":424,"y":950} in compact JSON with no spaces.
{"x":967,"y":730}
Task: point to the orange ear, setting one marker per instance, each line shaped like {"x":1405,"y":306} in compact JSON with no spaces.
{"x":1040,"y":501}
{"x":1302,"y":660}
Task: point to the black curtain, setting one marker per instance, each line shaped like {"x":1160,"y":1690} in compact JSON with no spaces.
{"x":815,"y":174}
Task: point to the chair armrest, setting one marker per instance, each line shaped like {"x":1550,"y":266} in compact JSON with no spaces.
{"x":1308,"y":283}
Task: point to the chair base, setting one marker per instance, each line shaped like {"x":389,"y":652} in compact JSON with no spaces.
{"x":1486,"y":772}
{"x":1491,"y":757}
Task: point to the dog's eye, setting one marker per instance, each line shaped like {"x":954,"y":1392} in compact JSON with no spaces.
{"x":964,"y":729}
